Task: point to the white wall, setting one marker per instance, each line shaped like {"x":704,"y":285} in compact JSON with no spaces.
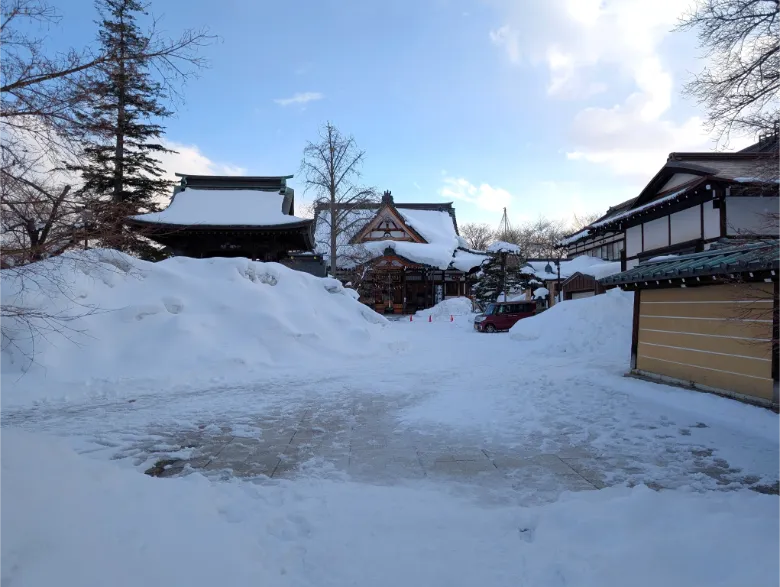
{"x":633,"y":241}
{"x":749,"y":216}
{"x":686,"y":225}
{"x":711,"y":220}
{"x":656,"y":233}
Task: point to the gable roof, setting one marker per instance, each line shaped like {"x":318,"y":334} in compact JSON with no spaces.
{"x":435,"y":224}
{"x":748,"y":169}
{"x":373,"y":224}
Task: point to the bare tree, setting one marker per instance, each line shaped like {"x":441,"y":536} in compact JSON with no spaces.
{"x":478,"y":235}
{"x":741,"y":85}
{"x":331,"y":168}
{"x":581,"y":221}
{"x":538,"y":238}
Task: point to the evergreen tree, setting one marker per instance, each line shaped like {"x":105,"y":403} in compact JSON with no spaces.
{"x":122,"y":128}
{"x":499,"y":274}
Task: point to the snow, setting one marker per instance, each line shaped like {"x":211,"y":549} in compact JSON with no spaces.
{"x":755,"y":180}
{"x":541,"y":292}
{"x":584,"y":264}
{"x":223,"y":207}
{"x":467,"y":260}
{"x":450,"y":307}
{"x":72,"y":521}
{"x":503,"y":247}
{"x":663,"y":257}
{"x":647,"y":206}
{"x":596,"y":325}
{"x":411,"y":452}
{"x":206,"y":317}
{"x":433,"y":254}
{"x":575,"y":237}
{"x":434,"y":226}
{"x":442,"y":249}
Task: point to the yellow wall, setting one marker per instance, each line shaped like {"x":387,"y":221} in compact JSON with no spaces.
{"x":718,"y":336}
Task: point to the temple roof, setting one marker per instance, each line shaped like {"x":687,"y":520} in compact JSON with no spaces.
{"x":248,"y":182}
{"x":233,"y":207}
{"x":434,"y":222}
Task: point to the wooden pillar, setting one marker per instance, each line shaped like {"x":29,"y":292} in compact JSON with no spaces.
{"x":775,"y":345}
{"x":635,"y":328}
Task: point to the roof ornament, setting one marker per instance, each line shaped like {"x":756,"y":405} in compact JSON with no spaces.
{"x":387,"y":197}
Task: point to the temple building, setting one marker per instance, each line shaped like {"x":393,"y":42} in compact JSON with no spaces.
{"x":400,"y":257}
{"x":231,"y":216}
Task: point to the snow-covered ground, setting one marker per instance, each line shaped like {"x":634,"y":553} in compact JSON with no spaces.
{"x":429,"y":454}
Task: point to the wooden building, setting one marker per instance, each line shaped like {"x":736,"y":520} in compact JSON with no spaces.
{"x":709,"y":320}
{"x":695,"y":199}
{"x":401,"y":257}
{"x":607,"y":244}
{"x":230,"y":216}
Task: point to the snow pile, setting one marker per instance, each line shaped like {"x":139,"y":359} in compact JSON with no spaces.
{"x":541,"y":293}
{"x":223,"y":207}
{"x":69,"y":520}
{"x":597,"y":325}
{"x":182,"y":318}
{"x":446,"y":308}
{"x":503,"y":247}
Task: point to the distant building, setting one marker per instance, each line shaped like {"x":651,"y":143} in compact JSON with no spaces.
{"x":233,"y":216}
{"x":401,"y":257}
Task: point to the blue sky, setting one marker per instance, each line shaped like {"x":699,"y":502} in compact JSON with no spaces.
{"x":547,"y":107}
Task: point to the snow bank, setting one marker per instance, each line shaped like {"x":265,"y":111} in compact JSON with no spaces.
{"x":181,"y":318}
{"x":68,"y":520}
{"x":600,"y":324}
{"x":450,"y":307}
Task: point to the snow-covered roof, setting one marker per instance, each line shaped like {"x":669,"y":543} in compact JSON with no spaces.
{"x":443,"y":247}
{"x":503,"y":247}
{"x":541,"y":292}
{"x":227,"y":207}
{"x":647,"y":206}
{"x":584,"y":264}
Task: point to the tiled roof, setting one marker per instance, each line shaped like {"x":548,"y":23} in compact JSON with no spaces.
{"x":723,"y":258}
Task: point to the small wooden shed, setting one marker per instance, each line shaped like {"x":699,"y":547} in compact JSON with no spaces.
{"x":708,"y":320}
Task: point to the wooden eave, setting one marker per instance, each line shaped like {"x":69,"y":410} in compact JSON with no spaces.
{"x":371,"y":224}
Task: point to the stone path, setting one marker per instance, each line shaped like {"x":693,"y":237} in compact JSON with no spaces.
{"x":362,"y":441}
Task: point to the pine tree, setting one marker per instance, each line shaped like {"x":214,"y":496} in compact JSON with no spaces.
{"x":498,"y":274}
{"x":122,"y":127}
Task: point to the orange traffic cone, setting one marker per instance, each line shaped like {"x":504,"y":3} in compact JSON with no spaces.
{"x":410,"y":318}
{"x":430,"y":317}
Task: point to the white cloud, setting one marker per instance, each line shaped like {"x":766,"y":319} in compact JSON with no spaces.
{"x":485,"y":196}
{"x":588,"y":46}
{"x":300,"y":98}
{"x":190,"y":159}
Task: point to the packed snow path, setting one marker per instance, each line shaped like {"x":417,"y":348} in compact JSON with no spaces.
{"x":486,"y":416}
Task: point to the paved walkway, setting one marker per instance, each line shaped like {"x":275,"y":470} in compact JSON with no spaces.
{"x":362,"y":441}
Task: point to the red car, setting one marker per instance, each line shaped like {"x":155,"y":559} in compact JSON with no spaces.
{"x":503,"y":315}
